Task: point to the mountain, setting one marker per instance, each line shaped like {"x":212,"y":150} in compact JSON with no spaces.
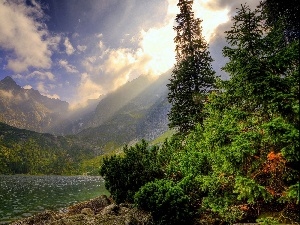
{"x":136,"y":110}
{"x":28,"y":109}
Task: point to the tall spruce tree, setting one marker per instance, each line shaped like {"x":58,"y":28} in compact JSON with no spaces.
{"x":288,"y":14}
{"x":193,"y":76}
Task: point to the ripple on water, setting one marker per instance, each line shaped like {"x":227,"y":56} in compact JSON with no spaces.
{"x":38,"y":193}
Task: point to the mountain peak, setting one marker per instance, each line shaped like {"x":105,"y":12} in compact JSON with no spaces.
{"x":8,"y":79}
{"x":9,"y":83}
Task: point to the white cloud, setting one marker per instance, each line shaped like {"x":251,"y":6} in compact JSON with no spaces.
{"x":18,"y":76}
{"x":24,"y":35}
{"x":99,"y":35}
{"x":81,"y":48}
{"x":7,"y":94}
{"x":69,"y":68}
{"x":27,"y":86}
{"x":212,"y":18}
{"x":54,"y":41}
{"x":69,"y":48}
{"x":41,"y":87}
{"x":55,"y":96}
{"x":120,"y":66}
{"x":158,"y":46}
{"x":87,"y":89}
{"x":157,"y":43}
{"x":101,"y":45}
{"x":39,"y":75}
{"x":107,"y":69}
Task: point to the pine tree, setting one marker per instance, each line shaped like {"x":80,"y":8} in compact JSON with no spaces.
{"x":288,"y":14}
{"x":263,"y":68}
{"x":193,"y":76}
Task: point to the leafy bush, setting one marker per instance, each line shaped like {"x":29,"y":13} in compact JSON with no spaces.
{"x":167,"y":202}
{"x":124,"y":175}
{"x":267,"y":221}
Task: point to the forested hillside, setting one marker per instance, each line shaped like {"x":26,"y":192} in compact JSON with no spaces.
{"x":27,"y":152}
{"x":235,"y":156}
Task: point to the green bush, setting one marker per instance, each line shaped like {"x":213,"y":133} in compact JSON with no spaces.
{"x":167,"y":202}
{"x":267,"y":221}
{"x":124,"y":175}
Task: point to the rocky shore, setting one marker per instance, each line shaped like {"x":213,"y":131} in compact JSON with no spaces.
{"x":101,"y":211}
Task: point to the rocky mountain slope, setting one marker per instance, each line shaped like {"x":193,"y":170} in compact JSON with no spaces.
{"x":28,"y":109}
{"x":136,"y":110}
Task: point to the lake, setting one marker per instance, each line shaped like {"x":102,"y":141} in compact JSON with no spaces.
{"x":23,"y":195}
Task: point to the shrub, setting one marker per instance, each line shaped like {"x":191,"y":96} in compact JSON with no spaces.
{"x":167,"y":202}
{"x":124,"y":175}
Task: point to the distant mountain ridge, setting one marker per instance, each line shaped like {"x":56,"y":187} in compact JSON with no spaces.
{"x":28,"y":109}
{"x":142,"y":114}
{"x":136,"y":110}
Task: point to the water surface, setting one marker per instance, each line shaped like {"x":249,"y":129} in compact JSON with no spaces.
{"x":22,"y":195}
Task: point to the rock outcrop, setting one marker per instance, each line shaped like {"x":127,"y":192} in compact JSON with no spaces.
{"x":100,"y":211}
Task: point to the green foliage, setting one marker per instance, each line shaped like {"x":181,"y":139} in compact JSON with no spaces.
{"x":291,"y":194}
{"x":268,"y":221}
{"x":124,"y":175}
{"x":238,"y":154}
{"x":167,"y":202}
{"x":289,"y":13}
{"x":248,"y":189}
{"x":244,"y":153}
{"x":193,"y":75}
{"x":28,"y":152}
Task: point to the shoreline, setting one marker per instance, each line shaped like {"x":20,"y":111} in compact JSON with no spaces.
{"x":100,"y":210}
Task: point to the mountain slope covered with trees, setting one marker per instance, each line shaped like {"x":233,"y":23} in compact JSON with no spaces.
{"x":28,"y":152}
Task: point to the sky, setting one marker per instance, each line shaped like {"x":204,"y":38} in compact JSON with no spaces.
{"x":76,"y":50}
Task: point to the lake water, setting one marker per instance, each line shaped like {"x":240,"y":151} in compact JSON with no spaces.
{"x":22,"y":196}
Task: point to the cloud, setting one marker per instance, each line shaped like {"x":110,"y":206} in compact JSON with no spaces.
{"x":81,"y":48}
{"x":156,"y":52}
{"x":122,"y":65}
{"x":151,"y":52}
{"x":7,"y":94}
{"x":69,"y":48}
{"x":87,"y":89}
{"x":27,"y":87}
{"x":41,"y":87}
{"x":39,"y":75}
{"x":158,"y":46}
{"x":24,"y":36}
{"x":54,"y":96}
{"x":69,"y":68}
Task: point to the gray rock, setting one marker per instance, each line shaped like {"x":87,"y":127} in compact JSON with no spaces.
{"x":110,"y":210}
{"x":87,"y":211}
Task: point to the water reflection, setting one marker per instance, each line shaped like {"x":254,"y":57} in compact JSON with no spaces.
{"x":22,"y":196}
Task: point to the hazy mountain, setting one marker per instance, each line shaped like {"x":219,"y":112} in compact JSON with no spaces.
{"x":28,"y":109}
{"x":137,"y":110}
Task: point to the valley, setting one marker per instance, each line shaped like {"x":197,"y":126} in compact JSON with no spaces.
{"x":39,"y":135}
